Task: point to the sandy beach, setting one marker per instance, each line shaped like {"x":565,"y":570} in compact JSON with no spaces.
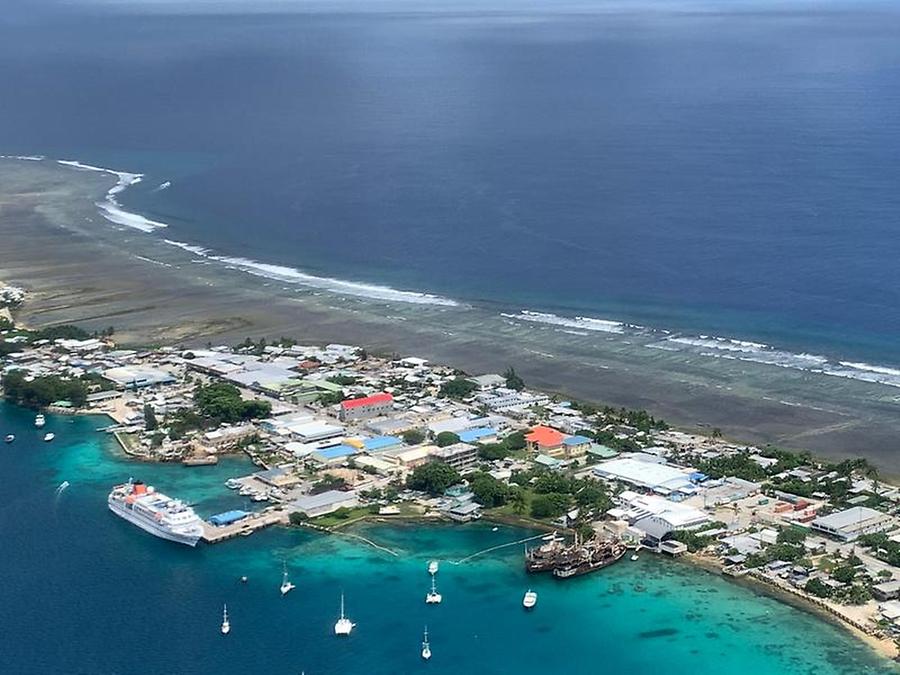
{"x":80,"y":268}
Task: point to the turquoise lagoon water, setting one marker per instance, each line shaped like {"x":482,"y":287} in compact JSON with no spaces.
{"x":84,"y":592}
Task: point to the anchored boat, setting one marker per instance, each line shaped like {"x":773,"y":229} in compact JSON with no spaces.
{"x":343,"y":626}
{"x":156,"y":513}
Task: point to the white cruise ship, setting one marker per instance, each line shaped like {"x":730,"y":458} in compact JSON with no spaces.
{"x":156,"y":513}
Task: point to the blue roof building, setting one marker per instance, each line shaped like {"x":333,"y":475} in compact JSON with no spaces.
{"x":334,"y":454}
{"x":227,"y":518}
{"x":475,"y":435}
{"x":379,"y":443}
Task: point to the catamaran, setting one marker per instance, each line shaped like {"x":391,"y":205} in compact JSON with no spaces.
{"x":343,"y":626}
{"x":426,"y":648}
{"x":226,"y":626}
{"x":286,"y":585}
{"x":433,"y":597}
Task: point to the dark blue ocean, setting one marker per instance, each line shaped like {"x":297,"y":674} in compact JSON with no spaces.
{"x":721,"y":168}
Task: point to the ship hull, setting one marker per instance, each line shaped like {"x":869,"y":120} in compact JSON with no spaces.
{"x":152,"y":527}
{"x":586,"y":567}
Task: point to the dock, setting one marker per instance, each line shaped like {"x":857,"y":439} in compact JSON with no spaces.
{"x":244,"y":527}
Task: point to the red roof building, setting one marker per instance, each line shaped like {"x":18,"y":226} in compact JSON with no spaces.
{"x":369,"y":406}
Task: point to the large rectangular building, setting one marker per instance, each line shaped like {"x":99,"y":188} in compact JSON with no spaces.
{"x":460,"y":456}
{"x":849,"y":524}
{"x":367,"y":407}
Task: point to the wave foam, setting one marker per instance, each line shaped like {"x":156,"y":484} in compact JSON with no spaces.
{"x":190,"y":248}
{"x":27,"y":158}
{"x":110,"y":207}
{"x":579,"y":322}
{"x":755,"y":352}
{"x":295,"y":276}
{"x":113,"y":211}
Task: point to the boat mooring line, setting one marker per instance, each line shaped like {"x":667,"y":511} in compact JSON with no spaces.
{"x":368,"y":541}
{"x":494,"y":548}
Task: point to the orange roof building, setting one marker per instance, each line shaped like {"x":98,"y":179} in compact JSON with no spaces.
{"x":544,"y":439}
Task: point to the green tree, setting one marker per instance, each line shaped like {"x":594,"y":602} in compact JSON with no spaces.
{"x":817,"y":588}
{"x":43,"y":390}
{"x":492,"y":451}
{"x":845,"y":574}
{"x":457,"y":388}
{"x":791,"y":535}
{"x":515,"y":441}
{"x":519,"y":501}
{"x":221,"y":402}
{"x":445,"y":438}
{"x":413,"y":436}
{"x":488,"y":490}
{"x":513,"y":381}
{"x":433,"y":478}
{"x":150,"y":423}
{"x":551,"y":481}
{"x":550,"y":505}
{"x":326,"y":483}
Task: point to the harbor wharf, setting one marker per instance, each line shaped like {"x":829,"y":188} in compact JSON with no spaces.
{"x":213,"y":534}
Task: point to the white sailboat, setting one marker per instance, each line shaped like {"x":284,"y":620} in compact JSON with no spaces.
{"x":343,"y":626}
{"x":226,"y":626}
{"x":433,"y":567}
{"x":426,"y":648}
{"x":39,"y":420}
{"x":530,"y":599}
{"x":433,"y":597}
{"x":286,"y":585}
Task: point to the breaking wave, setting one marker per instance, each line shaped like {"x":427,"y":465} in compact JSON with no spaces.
{"x":110,"y":207}
{"x":113,"y":211}
{"x":578,"y":323}
{"x":755,"y":352}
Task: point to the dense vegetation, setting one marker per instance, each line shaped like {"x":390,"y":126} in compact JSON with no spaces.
{"x":457,"y":388}
{"x":509,"y":445}
{"x":433,"y":478}
{"x":43,"y":390}
{"x":220,"y":402}
{"x":513,"y":381}
{"x":445,"y":438}
{"x":413,"y":436}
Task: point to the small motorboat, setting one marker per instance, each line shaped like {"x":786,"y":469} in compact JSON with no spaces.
{"x":530,"y":599}
{"x":286,"y":585}
{"x":226,"y":625}
{"x":343,"y":626}
{"x":426,"y":648}
{"x":244,"y":579}
{"x":49,"y":436}
{"x":635,"y":557}
{"x":433,"y":567}
{"x":9,"y":438}
{"x":232,"y":483}
{"x":433,"y":597}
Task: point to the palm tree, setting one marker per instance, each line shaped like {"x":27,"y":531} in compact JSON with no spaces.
{"x":519,"y":503}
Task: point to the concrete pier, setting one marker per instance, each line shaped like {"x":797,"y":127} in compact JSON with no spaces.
{"x":271,"y":516}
